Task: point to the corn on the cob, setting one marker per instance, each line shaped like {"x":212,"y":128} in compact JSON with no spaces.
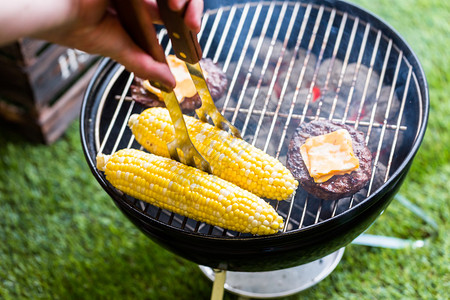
{"x":188,"y":191}
{"x":230,"y":158}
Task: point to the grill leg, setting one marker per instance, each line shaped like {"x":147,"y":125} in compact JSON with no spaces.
{"x":219,"y":283}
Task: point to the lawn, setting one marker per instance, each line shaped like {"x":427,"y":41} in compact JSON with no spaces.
{"x":61,"y":237}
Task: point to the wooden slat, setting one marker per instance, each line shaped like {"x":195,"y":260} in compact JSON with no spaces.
{"x":41,"y":87}
{"x":42,"y":82}
{"x":53,"y":120}
{"x":23,"y":52}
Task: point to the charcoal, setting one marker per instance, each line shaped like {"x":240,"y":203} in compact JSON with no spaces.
{"x":328,"y":74}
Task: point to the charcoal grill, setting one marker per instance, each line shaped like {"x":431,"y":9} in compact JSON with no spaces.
{"x":287,"y":62}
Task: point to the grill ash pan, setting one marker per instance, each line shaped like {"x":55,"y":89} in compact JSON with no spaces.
{"x":287,"y":63}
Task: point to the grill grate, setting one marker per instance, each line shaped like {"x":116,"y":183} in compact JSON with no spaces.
{"x":290,"y":62}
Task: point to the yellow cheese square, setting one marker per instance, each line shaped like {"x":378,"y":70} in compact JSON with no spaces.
{"x":328,"y":155}
{"x":184,"y":87}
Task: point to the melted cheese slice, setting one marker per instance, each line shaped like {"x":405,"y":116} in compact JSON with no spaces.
{"x":328,"y":155}
{"x":184,"y":85}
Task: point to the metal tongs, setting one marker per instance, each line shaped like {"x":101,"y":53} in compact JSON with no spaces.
{"x":137,"y":22}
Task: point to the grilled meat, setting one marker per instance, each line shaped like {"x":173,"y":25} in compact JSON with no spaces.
{"x":338,"y":186}
{"x":215,"y":79}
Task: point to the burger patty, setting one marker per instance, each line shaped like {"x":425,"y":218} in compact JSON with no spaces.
{"x":338,"y":186}
{"x":216,"y":80}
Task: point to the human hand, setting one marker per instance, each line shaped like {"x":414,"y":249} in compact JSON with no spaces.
{"x":92,"y":26}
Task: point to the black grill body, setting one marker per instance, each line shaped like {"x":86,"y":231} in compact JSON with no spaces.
{"x":315,"y":228}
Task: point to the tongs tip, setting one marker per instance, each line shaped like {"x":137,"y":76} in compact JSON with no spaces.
{"x":187,"y":154}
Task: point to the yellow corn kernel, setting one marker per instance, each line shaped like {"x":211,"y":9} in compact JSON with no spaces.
{"x":230,"y":158}
{"x":189,"y":192}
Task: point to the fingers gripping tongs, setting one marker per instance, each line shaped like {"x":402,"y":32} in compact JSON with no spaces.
{"x":137,"y":21}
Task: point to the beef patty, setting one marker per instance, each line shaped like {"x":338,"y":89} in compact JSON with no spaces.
{"x":216,"y":80}
{"x":338,"y":186}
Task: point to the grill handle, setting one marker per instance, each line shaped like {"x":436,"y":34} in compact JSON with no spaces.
{"x":137,"y":22}
{"x":184,"y":41}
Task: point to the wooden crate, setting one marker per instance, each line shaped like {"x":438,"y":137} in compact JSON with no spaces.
{"x":41,"y":87}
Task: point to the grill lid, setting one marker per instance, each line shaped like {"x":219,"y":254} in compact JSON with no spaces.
{"x":287,"y":63}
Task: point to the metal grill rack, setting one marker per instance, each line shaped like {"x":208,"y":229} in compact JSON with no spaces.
{"x":276,"y":55}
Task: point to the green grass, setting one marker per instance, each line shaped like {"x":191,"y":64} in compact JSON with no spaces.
{"x":61,"y":237}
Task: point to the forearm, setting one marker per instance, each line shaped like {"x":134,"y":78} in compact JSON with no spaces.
{"x":20,"y":18}
{"x":91,"y":26}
